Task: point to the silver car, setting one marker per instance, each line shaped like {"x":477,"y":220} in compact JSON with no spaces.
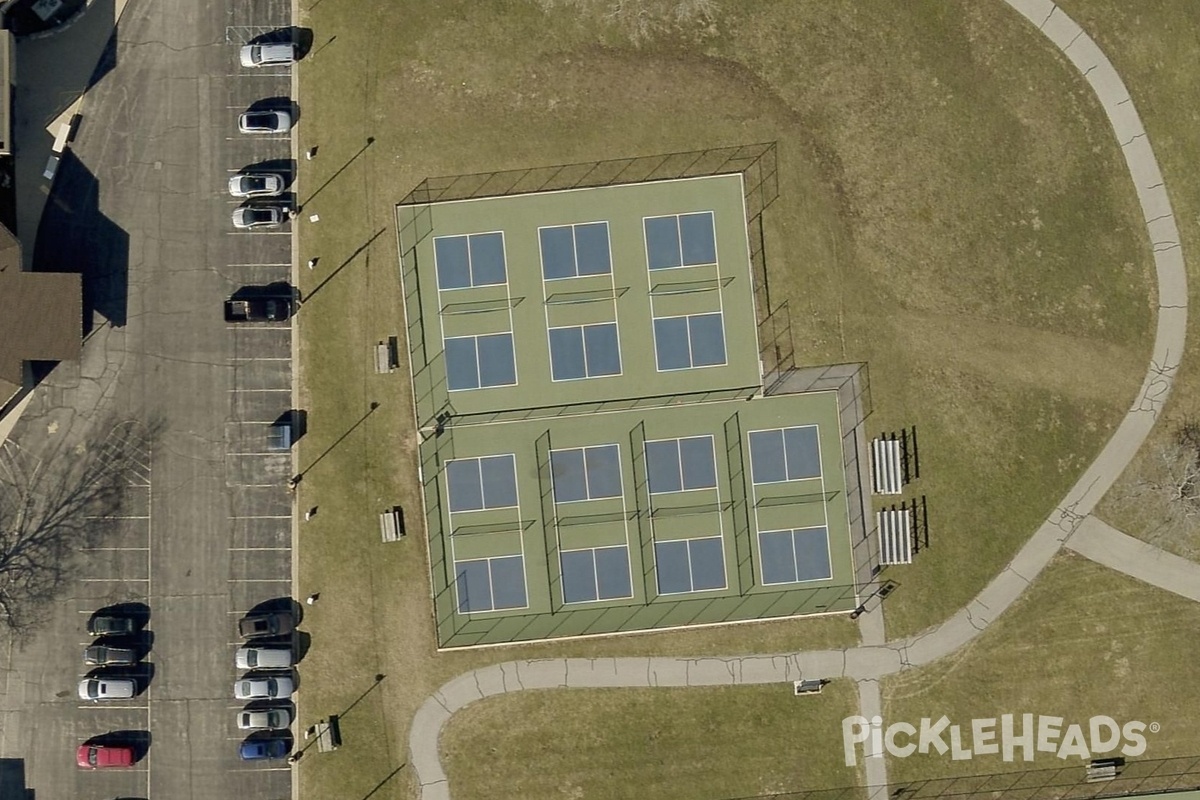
{"x":270,"y":121}
{"x":97,"y":689}
{"x":267,"y":54}
{"x":256,"y":184}
{"x":263,"y":657}
{"x":263,"y":688}
{"x":271,"y":719}
{"x":258,"y":217}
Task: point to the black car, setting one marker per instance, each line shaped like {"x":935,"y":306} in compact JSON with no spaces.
{"x":104,"y":655}
{"x":269,"y":623}
{"x":110,"y":624}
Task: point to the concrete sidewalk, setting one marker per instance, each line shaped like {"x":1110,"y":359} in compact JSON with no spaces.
{"x":1104,"y":544}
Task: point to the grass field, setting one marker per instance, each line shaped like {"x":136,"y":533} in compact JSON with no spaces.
{"x":1073,"y":640}
{"x":1138,"y":39}
{"x":952,"y":209}
{"x":699,"y":742}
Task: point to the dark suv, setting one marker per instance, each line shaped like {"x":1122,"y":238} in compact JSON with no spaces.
{"x":267,"y":623}
{"x":111,"y":624}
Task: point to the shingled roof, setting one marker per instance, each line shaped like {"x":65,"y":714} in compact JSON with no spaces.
{"x":41,"y":316}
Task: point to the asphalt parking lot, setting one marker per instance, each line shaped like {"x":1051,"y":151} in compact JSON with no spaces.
{"x":204,"y":534}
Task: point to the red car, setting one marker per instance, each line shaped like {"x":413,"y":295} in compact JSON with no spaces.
{"x":102,"y":756}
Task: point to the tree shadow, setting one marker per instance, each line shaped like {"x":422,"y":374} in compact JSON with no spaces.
{"x":50,"y":504}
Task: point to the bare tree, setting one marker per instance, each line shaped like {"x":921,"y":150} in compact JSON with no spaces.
{"x":49,"y":504}
{"x":1169,"y":487}
{"x":642,"y":20}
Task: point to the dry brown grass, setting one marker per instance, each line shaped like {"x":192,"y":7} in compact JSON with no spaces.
{"x":951,"y":209}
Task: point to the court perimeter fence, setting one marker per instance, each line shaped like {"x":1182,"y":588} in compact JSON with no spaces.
{"x":757,"y":163}
{"x":1136,"y":779}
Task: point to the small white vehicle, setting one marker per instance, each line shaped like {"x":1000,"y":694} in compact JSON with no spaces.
{"x":263,"y":688}
{"x":267,"y":54}
{"x":262,"y":657}
{"x":97,"y":689}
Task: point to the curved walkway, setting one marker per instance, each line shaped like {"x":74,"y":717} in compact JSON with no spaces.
{"x":871,"y":662}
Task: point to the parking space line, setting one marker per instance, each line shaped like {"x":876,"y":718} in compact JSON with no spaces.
{"x":120,"y":516}
{"x":231,"y":391}
{"x":110,"y":549}
{"x":255,"y":549}
{"x":259,"y":264}
{"x":115,"y":708}
{"x":259,"y":580}
{"x":271,"y":327}
{"x":258,"y":233}
{"x":262,"y":358}
{"x":266,"y":516}
{"x":114,"y":580}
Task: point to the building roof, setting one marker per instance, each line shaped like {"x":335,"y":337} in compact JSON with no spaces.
{"x":41,"y":315}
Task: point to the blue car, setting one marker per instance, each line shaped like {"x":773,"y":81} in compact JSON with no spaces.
{"x":262,"y":749}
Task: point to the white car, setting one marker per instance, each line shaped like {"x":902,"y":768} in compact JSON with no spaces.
{"x":256,"y":184}
{"x":258,"y":217}
{"x":267,"y":54}
{"x":97,"y":689}
{"x":263,"y":688}
{"x":263,"y":657}
{"x":270,"y":719}
{"x":270,"y":121}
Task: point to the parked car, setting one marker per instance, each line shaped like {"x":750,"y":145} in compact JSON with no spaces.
{"x":103,"y":756}
{"x":260,"y":749}
{"x":107,"y":688}
{"x":267,"y":54}
{"x":263,"y":688}
{"x":258,"y":217}
{"x":256,"y":184}
{"x":263,"y":658}
{"x":103,"y":655}
{"x":271,"y":719}
{"x":268,"y":121}
{"x":268,"y":623}
{"x":258,"y":309}
{"x":107,"y":624}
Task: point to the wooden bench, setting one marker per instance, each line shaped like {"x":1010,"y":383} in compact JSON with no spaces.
{"x":887,"y":467}
{"x":391,"y":524}
{"x":801,"y":688}
{"x":895,"y":535}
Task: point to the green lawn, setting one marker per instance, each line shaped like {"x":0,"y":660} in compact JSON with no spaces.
{"x":1082,"y":641}
{"x":669,"y":744}
{"x":952,"y":209}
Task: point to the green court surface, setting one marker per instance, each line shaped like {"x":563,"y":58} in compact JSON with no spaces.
{"x":597,"y":455}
